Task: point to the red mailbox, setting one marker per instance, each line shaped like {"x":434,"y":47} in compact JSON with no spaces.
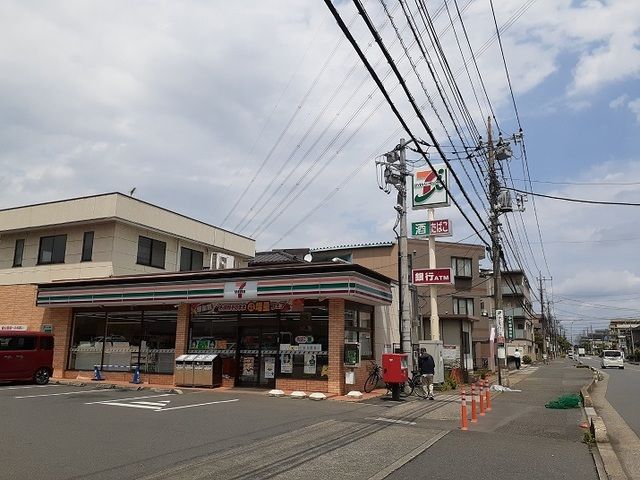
{"x":395,"y":367}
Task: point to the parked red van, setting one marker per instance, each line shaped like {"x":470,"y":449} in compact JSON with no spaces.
{"x":26,"y":356}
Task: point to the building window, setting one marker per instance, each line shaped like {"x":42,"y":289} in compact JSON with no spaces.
{"x":52,"y":249}
{"x":357,"y":328}
{"x":463,"y":306}
{"x":190,"y":260}
{"x":151,"y":252}
{"x":87,"y":247}
{"x":18,"y":252}
{"x":461,"y":267}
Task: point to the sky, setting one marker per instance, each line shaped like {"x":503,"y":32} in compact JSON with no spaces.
{"x":258,"y":117}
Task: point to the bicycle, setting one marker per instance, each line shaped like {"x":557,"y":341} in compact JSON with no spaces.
{"x":374,"y":378}
{"x":414,"y":385}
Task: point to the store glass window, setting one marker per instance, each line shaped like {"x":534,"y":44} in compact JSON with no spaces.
{"x":304,"y":343}
{"x":18,"y":253}
{"x":158,"y":341}
{"x":359,"y":328}
{"x":118,"y":341}
{"x":52,"y":249}
{"x":87,"y":340}
{"x":190,"y":260}
{"x":213,"y":333}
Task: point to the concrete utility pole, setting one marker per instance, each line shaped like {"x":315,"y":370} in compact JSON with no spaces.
{"x":494,"y":192}
{"x":395,"y":173}
{"x":544,"y":328}
{"x":433,"y":289}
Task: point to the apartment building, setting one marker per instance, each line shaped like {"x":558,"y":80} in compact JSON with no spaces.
{"x":459,"y":304}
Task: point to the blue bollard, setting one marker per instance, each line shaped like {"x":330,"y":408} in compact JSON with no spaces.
{"x":97,"y":377}
{"x":136,"y":375}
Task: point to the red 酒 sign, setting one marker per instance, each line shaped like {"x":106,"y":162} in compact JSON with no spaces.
{"x":432,"y":276}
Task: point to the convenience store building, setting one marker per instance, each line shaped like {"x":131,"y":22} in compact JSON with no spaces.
{"x":281,"y":326}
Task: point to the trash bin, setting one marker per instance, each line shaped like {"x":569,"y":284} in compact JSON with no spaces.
{"x":184,"y":370}
{"x":207,"y":370}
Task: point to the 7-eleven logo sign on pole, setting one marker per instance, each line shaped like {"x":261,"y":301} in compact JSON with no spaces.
{"x":429,"y":189}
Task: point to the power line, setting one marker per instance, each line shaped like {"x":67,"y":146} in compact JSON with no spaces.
{"x":595,"y":184}
{"x":576,"y":200}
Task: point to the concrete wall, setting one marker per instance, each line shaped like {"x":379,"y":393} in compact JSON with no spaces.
{"x":72,"y":268}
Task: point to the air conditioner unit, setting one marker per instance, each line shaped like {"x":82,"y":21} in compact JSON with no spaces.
{"x":223,"y":261}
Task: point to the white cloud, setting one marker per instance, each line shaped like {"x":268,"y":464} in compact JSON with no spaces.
{"x":618,"y":101}
{"x":634,"y":106}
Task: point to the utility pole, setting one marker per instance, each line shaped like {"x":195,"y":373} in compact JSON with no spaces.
{"x":494,"y":192}
{"x":542,"y":319}
{"x":433,"y":289}
{"x":395,"y":173}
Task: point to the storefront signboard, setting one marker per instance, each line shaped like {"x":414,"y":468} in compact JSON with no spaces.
{"x":238,"y":290}
{"x":269,"y":367}
{"x":244,"y":307}
{"x":432,"y":276}
{"x":310,"y":363}
{"x":429,"y":187}
{"x":21,"y":328}
{"x":286,"y":363}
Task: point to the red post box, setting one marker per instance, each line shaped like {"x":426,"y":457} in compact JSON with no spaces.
{"x":395,"y":367}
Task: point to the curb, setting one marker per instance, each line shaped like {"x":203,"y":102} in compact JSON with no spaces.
{"x":114,"y":386}
{"x":608,"y":459}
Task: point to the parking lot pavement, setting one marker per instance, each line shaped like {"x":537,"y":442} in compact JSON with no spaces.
{"x":64,"y":432}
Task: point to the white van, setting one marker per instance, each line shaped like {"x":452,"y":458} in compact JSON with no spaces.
{"x":612,"y":358}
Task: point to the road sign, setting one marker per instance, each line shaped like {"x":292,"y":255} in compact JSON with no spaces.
{"x":436,"y":228}
{"x":432,"y":276}
{"x":500,"y":325}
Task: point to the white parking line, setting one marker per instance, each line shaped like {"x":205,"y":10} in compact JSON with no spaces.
{"x":65,"y":393}
{"x":154,"y":404}
{"x":28,"y":386}
{"x":130,"y":398}
{"x":197,"y":405}
{"x":131,"y":405}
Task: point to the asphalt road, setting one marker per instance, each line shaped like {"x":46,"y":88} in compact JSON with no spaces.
{"x":63,"y":432}
{"x":623,"y":391}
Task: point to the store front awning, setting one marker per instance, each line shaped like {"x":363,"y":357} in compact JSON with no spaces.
{"x":274,"y":283}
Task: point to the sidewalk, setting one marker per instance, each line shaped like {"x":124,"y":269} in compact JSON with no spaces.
{"x":520,"y":437}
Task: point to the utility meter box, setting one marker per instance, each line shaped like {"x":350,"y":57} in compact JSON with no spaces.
{"x":434,"y":348}
{"x":395,"y":367}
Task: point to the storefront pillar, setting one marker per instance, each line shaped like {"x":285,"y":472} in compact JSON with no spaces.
{"x":61,"y":320}
{"x":336,"y":383}
{"x":182,"y":329}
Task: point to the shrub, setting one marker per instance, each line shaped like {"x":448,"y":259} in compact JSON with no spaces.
{"x":526,"y":359}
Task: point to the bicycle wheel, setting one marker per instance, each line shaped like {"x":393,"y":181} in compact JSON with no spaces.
{"x":407,"y":389}
{"x":371,"y":382}
{"x":418,"y":390}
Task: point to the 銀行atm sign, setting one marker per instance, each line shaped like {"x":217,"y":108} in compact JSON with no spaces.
{"x":431,"y":276}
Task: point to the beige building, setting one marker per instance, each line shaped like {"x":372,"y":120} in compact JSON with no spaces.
{"x":459,"y":304}
{"x":102,"y":236}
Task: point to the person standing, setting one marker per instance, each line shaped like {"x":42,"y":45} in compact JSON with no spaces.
{"x":427,"y":369}
{"x":516,"y":355}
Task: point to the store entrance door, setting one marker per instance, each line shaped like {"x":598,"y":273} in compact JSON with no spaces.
{"x":257,"y":354}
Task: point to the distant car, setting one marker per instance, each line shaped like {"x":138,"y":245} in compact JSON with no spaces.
{"x":26,"y":356}
{"x":612,"y":358}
